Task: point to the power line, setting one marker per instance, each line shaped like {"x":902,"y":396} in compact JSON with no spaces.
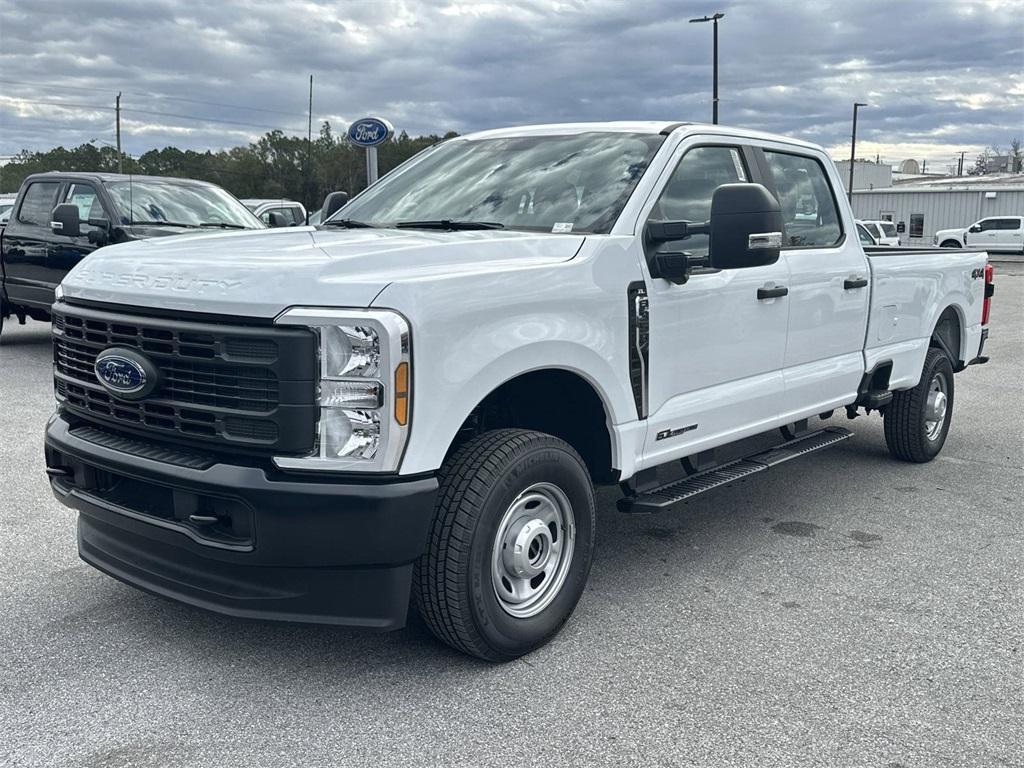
{"x":201,"y":118}
{"x":149,"y":94}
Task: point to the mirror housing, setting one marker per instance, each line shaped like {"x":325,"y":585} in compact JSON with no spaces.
{"x":276,"y":220}
{"x":746,"y":227}
{"x":974,"y":228}
{"x":66,"y":221}
{"x":332,"y":204}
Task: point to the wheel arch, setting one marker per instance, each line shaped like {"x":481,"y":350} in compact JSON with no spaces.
{"x":558,"y":400}
{"x":949,"y":334}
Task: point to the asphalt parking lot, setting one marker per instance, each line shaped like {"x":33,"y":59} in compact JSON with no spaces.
{"x":844,"y":610}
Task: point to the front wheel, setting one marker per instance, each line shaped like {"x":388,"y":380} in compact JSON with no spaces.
{"x":917,"y":420}
{"x":510,"y":546}
{"x":950,"y":244}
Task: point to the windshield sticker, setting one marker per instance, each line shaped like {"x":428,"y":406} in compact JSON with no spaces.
{"x":562,"y":226}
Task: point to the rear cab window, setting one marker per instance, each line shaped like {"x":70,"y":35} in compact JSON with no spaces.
{"x":810,"y":215}
{"x":37,"y":204}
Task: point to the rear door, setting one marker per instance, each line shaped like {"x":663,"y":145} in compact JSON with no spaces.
{"x":26,"y":241}
{"x":829,"y":284}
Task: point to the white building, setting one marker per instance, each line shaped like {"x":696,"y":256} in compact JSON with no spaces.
{"x":921,"y":207}
{"x":866,"y":175}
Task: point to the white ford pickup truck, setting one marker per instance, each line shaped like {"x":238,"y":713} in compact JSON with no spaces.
{"x":414,"y":400}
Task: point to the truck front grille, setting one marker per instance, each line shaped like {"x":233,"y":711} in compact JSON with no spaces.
{"x":249,"y":387}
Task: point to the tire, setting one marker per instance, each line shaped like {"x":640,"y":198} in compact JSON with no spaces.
{"x":914,"y":430}
{"x":950,"y":244}
{"x":502,"y":487}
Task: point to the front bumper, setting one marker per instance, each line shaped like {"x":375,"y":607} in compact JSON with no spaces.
{"x":239,"y":539}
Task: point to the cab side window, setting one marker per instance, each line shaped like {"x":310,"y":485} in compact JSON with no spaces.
{"x":687,"y":196}
{"x":37,"y":205}
{"x":810,"y":217}
{"x":84,"y":197}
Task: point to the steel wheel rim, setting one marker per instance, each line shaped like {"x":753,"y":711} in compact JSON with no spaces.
{"x":936,"y":407}
{"x":533,"y":550}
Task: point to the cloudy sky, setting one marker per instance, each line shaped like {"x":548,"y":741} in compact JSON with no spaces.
{"x":940,"y":75}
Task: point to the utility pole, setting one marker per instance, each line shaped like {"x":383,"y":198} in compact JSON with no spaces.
{"x":960,"y":165}
{"x":853,"y":149}
{"x":117,"y":109}
{"x":714,"y":93}
{"x":309,"y":152}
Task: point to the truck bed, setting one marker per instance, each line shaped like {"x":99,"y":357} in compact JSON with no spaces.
{"x":911,"y":289}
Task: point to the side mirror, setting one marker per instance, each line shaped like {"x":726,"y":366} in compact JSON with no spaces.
{"x":275,"y":220}
{"x":974,"y":228}
{"x":746,"y":227}
{"x":332,"y":204}
{"x":65,"y":220}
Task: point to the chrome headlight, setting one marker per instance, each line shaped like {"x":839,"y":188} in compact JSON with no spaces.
{"x":364,"y":389}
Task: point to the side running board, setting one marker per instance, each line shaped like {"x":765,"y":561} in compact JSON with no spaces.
{"x":696,"y":484}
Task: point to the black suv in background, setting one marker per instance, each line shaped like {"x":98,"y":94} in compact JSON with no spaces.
{"x":59,"y":218}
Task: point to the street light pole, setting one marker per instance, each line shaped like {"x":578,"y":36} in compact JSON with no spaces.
{"x":714,"y":95}
{"x":853,"y":149}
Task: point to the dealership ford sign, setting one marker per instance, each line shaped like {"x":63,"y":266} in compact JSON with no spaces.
{"x":370,"y":131}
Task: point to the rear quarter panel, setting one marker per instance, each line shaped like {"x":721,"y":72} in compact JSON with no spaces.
{"x":910,"y":291}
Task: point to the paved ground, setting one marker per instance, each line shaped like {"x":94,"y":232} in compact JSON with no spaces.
{"x":842,"y":611}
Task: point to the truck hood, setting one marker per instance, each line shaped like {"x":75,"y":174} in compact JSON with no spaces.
{"x":261,"y":273}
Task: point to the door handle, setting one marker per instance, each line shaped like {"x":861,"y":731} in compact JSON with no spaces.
{"x":854,"y":281}
{"x":771,"y":293}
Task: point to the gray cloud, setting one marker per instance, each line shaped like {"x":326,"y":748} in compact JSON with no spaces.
{"x":939,"y":75}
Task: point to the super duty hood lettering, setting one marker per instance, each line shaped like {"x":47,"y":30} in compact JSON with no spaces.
{"x":186,"y":283}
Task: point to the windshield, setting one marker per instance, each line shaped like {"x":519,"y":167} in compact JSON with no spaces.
{"x":574,"y":183}
{"x":186,"y":205}
{"x":889,"y":230}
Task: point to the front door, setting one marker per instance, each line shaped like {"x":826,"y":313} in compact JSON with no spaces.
{"x":65,"y":252}
{"x":829,"y":287}
{"x":715,"y":350}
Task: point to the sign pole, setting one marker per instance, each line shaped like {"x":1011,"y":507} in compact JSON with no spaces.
{"x":371,"y":165}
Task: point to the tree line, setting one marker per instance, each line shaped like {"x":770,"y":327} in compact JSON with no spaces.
{"x":274,"y":166}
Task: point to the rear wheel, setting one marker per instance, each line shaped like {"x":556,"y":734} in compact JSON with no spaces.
{"x":917,"y":421}
{"x":510,"y":546}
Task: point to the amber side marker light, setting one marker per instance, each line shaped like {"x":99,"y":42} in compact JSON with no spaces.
{"x":402,"y":393}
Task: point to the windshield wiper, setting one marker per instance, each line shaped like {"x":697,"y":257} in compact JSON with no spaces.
{"x":350,"y":223}
{"x":166,"y":224}
{"x":449,"y":224}
{"x":223,"y":225}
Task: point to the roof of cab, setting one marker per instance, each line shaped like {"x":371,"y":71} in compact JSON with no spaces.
{"x":649,"y":127}
{"x":106,"y":178}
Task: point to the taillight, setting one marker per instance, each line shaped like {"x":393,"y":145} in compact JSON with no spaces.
{"x":990,"y":289}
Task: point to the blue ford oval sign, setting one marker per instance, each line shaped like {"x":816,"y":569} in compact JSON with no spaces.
{"x":370,"y":131}
{"x":125,"y":373}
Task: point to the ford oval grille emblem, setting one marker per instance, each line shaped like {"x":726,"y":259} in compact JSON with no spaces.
{"x":124,"y":373}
